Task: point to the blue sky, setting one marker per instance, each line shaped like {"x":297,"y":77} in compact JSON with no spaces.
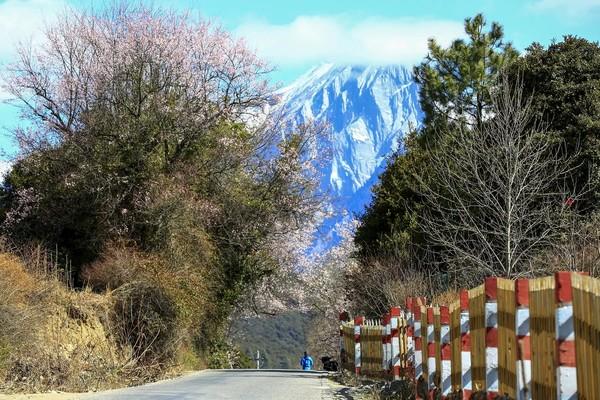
{"x":295,"y":35}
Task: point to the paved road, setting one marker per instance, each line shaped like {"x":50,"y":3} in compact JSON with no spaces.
{"x":233,"y":384}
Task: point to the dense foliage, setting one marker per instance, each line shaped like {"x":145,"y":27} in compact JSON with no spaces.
{"x":563,"y":81}
{"x":145,"y":156}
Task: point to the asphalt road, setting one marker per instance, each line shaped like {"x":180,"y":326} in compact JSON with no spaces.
{"x":233,"y":384}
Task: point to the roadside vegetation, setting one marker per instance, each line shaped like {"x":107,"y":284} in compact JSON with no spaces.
{"x":157,"y":190}
{"x":501,"y":179}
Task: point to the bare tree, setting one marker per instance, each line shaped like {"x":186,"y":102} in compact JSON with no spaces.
{"x":494,"y":197}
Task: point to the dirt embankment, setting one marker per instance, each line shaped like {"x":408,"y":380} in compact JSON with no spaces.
{"x":55,"y":338}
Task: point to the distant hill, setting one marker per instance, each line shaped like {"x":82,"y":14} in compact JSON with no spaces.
{"x":281,"y":339}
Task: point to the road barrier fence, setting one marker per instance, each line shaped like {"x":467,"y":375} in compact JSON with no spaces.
{"x":522,"y":339}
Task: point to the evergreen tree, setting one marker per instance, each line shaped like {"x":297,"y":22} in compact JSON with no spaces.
{"x":563,"y":82}
{"x":456,"y":81}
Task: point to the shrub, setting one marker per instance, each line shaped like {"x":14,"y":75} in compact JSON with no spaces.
{"x":146,"y":320}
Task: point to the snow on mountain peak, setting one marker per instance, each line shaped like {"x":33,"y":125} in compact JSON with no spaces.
{"x":369,"y":110}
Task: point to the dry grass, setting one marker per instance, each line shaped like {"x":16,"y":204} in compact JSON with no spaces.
{"x":53,"y":337}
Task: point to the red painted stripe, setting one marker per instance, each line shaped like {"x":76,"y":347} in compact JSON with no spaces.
{"x":524,"y":346}
{"x":566,"y":353}
{"x":564,"y":291}
{"x":409,"y":303}
{"x":418,"y":343}
{"x":396,"y":370}
{"x":416,"y":311}
{"x":491,"y":288}
{"x":464,"y":300}
{"x":410,"y":331}
{"x":446,"y":351}
{"x":522,"y":292}
{"x":491,"y":337}
{"x":395,"y":312}
{"x":359,"y":320}
{"x":430,"y":315}
{"x":431,"y":349}
{"x":444,"y":315}
{"x":465,"y":342}
{"x":467,"y":394}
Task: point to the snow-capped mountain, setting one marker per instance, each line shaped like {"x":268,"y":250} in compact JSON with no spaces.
{"x":368,"y":109}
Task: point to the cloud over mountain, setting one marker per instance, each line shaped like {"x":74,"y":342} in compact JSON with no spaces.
{"x":373,"y":41}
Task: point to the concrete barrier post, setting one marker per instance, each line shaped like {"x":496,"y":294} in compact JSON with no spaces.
{"x":491,"y":336}
{"x":465,"y":337}
{"x":523,"y":339}
{"x":358,"y":321}
{"x":446,"y":352}
{"x":566,"y":371}
{"x":395,"y":341}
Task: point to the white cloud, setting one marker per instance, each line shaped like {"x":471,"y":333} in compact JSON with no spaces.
{"x":315,"y":39}
{"x":571,"y":7}
{"x":23,"y":20}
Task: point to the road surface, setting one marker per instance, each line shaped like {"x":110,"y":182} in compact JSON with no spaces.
{"x":233,"y":384}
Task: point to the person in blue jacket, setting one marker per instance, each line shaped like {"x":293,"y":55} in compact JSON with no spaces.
{"x":306,"y":362}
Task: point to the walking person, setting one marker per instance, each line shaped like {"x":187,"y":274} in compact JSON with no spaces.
{"x":306,"y":362}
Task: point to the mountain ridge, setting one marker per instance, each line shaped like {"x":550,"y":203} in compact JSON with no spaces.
{"x":369,"y":110}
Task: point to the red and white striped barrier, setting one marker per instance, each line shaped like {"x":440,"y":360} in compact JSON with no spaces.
{"x":523,"y":339}
{"x":418,"y":339}
{"x":358,"y":321}
{"x":446,"y":351}
{"x":566,"y":371}
{"x":410,"y":345}
{"x":491,"y":337}
{"x":465,"y":339}
{"x":430,"y":349}
{"x":395,"y":342}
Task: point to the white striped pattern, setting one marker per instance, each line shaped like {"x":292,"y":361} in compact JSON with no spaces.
{"x":523,"y":366}
{"x":418,"y":353}
{"x":566,"y":377}
{"x":491,"y":353}
{"x":465,"y":355}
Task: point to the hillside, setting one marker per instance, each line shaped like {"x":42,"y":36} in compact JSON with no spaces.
{"x":280,"y":339}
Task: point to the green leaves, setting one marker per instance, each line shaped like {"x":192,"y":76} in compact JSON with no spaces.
{"x":456,"y":81}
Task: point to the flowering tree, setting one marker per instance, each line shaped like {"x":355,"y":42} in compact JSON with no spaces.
{"x":147,"y":126}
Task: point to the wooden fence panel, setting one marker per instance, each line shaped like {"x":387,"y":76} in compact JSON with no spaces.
{"x":348,"y":329}
{"x":403,"y":341}
{"x":586,"y":309}
{"x":542,"y":311}
{"x":456,"y":376}
{"x":371,"y":349}
{"x":477,"y":328}
{"x":507,"y":346}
